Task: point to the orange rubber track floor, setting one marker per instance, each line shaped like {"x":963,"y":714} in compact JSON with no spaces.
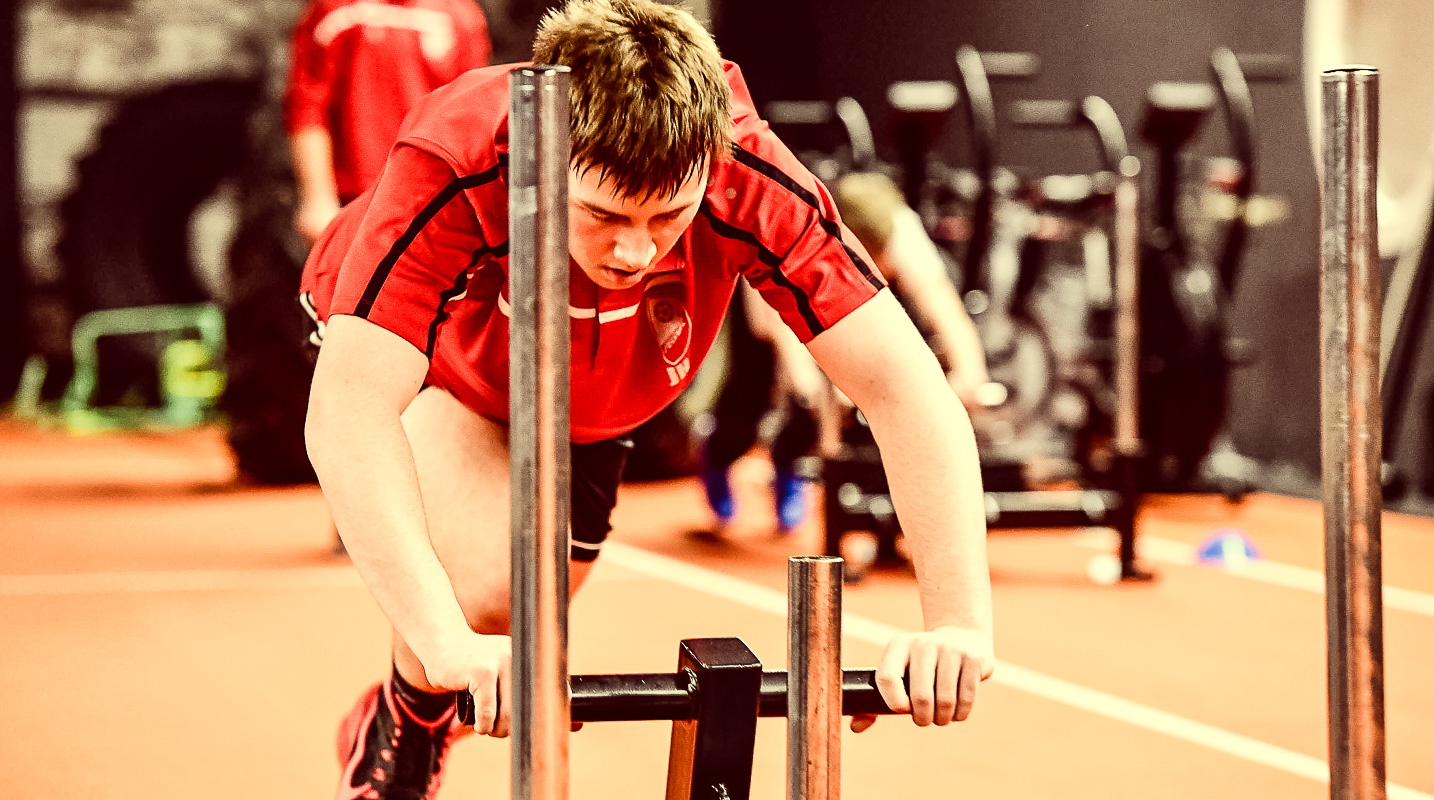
{"x":165,"y":633}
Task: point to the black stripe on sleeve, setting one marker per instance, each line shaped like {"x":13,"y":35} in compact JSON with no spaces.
{"x":459,"y":287}
{"x":771,"y":171}
{"x":443,"y":198}
{"x":856,"y":260}
{"x":728,"y":231}
{"x":804,"y":303}
{"x":829,"y":225}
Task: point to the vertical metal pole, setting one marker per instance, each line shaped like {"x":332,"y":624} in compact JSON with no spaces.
{"x":814,"y":678}
{"x":539,"y":433}
{"x":1350,"y":415}
{"x":1127,"y":309}
{"x":1127,"y":445}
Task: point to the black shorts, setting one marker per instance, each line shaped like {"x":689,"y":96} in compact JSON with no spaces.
{"x":597,"y":470}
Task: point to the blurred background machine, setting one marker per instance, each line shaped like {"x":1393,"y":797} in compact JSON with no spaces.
{"x":147,"y":170}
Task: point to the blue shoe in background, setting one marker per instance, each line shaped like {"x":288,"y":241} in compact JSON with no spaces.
{"x":792,"y":504}
{"x":719,"y":494}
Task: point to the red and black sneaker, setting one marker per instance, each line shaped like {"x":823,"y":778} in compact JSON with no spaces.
{"x":388,"y":752}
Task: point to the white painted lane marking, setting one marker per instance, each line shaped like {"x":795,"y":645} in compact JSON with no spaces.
{"x":1165,"y":551}
{"x":197,"y":580}
{"x":752,"y":595}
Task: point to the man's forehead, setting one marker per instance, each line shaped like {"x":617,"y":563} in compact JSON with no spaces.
{"x":591,"y":187}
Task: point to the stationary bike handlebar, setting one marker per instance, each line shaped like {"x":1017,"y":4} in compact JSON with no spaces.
{"x":975,"y":70}
{"x":846,"y":114}
{"x":1233,"y":75}
{"x":1093,"y":111}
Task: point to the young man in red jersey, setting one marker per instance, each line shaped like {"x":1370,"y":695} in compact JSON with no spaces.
{"x":676,"y":189}
{"x":356,"y":69}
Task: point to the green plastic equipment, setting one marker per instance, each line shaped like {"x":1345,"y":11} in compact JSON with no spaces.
{"x":191,"y":376}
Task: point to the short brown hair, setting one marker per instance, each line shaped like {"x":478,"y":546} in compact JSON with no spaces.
{"x":650,"y":104}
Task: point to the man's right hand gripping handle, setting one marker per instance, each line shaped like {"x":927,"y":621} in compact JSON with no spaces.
{"x":478,"y":667}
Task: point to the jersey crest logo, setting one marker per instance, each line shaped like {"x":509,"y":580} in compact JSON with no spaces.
{"x":665,"y":306}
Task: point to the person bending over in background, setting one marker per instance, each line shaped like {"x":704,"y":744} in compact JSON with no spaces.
{"x":356,"y":69}
{"x":770,"y":369}
{"x":676,"y":189}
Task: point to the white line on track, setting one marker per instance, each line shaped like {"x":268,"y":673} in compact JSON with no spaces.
{"x":195,"y":580}
{"x":869,"y":630}
{"x":1165,"y":551}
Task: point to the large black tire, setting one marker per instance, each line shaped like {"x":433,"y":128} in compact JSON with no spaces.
{"x":269,"y":360}
{"x":125,"y":237}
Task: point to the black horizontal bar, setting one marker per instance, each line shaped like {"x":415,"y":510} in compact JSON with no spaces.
{"x":859,"y":694}
{"x":673,"y":696}
{"x":624,"y":698}
{"x":1051,"y":509}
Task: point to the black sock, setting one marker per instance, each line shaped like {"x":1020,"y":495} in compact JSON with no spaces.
{"x":427,"y":706}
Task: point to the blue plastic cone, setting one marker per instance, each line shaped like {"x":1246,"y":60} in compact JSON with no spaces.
{"x":1228,"y":547}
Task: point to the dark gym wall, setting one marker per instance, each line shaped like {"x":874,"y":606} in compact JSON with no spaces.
{"x":1113,"y":48}
{"x":13,"y":342}
{"x":775,"y":41}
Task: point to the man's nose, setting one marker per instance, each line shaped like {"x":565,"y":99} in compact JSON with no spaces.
{"x":634,"y":248}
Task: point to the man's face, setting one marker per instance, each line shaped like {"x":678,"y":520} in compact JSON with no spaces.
{"x":616,"y":240}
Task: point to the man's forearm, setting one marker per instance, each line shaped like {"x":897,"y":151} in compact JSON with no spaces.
{"x":368,"y":476}
{"x":931,"y":464}
{"x":312,"y":150}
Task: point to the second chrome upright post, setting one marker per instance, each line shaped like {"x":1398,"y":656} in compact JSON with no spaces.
{"x":814,"y":683}
{"x":1351,"y":421}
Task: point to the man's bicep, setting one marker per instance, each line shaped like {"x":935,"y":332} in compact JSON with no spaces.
{"x":364,"y":366}
{"x":872,"y":351}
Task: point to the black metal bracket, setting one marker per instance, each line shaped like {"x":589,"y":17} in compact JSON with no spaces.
{"x":711,"y":754}
{"x":858,"y":499}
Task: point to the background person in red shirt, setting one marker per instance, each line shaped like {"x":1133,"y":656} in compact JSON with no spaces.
{"x":676,"y":190}
{"x":357,"y":68}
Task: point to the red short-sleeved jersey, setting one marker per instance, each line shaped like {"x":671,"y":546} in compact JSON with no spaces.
{"x":425,"y":255}
{"x":359,"y":66}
